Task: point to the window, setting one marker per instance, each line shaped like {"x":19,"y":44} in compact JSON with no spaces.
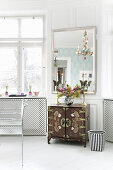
{"x":35,"y":25}
{"x":21,"y":53}
{"x":8,"y":28}
{"x":32,"y":67}
{"x":8,"y":68}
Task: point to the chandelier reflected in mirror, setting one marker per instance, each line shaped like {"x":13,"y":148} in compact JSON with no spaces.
{"x":85,"y":50}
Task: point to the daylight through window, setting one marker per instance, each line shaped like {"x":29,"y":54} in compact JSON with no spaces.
{"x":21,"y":53}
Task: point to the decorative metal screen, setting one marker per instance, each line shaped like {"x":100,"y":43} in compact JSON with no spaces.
{"x":108,"y":119}
{"x":34,"y":121}
{"x":35,"y":117}
{"x":10,"y":117}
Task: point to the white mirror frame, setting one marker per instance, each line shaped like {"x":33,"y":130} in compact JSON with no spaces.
{"x":94,"y":52}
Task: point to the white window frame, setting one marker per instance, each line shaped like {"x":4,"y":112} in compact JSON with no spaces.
{"x":21,"y":43}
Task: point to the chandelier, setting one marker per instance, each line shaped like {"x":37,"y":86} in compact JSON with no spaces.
{"x":85,"y":50}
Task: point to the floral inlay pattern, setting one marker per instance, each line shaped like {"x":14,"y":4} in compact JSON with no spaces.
{"x":75,"y":116}
{"x":57,"y":117}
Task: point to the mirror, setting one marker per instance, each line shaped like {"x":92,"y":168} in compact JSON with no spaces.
{"x":74,"y":56}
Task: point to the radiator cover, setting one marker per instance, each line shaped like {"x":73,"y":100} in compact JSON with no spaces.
{"x":108,"y":119}
{"x":34,"y":121}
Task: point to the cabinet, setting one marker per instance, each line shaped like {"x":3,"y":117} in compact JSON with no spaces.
{"x":68,"y":122}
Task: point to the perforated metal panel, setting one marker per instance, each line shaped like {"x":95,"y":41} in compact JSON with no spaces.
{"x":35,"y":117}
{"x":108,"y":119}
{"x":34,"y":122}
{"x":10,"y":117}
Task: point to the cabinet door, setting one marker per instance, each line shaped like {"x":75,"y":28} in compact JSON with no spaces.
{"x":75,"y":122}
{"x":56,"y":121}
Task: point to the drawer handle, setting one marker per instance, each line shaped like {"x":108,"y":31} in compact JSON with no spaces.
{"x":50,"y":117}
{"x":82,"y":135}
{"x":50,"y":125}
{"x":63,"y":122}
{"x":68,"y":122}
{"x":81,"y":111}
{"x":82,"y":127}
{"x":82,"y":119}
{"x":50,"y":110}
{"x":50,"y":132}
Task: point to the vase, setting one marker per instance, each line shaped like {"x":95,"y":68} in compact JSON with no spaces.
{"x":30,"y":93}
{"x":6,"y":93}
{"x":69,"y":100}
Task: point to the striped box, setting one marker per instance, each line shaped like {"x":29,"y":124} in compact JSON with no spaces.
{"x":97,"y":140}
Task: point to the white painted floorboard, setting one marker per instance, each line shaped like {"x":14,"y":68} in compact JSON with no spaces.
{"x":38,"y":155}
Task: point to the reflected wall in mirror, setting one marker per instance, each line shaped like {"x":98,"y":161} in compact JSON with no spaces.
{"x":73,"y":56}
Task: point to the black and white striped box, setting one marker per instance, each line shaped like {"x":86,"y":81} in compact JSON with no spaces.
{"x":97,"y":140}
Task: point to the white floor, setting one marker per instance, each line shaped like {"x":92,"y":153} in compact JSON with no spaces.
{"x":38,"y":155}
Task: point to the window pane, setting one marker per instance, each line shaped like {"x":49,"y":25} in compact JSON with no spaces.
{"x":33,"y":68}
{"x":8,"y":28}
{"x":32,"y":28}
{"x":8,"y":69}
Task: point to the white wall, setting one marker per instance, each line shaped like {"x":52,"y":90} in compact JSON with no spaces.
{"x":67,"y":14}
{"x":107,"y":51}
{"x":78,"y":15}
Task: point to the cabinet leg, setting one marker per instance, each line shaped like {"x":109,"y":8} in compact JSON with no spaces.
{"x":49,"y":140}
{"x":84,"y":143}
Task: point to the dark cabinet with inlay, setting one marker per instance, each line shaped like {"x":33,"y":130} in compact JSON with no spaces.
{"x":68,"y":122}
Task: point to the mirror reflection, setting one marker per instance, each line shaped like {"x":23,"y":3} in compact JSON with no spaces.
{"x":74,"y":57}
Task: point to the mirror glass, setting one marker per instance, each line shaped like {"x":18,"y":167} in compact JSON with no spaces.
{"x":73,"y":56}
